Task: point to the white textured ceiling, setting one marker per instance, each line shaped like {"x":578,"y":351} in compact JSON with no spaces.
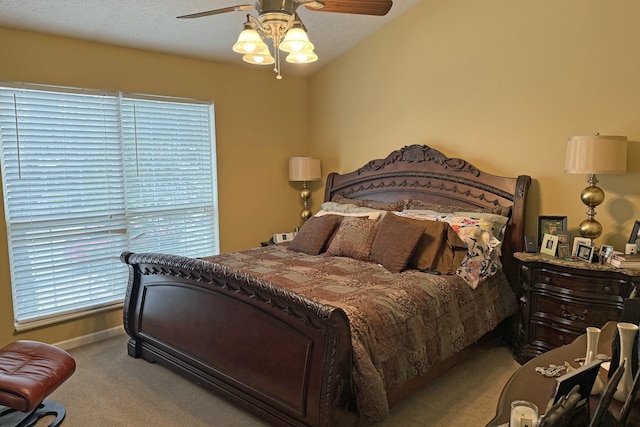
{"x":152,"y":25}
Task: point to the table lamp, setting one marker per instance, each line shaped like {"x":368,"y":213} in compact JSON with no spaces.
{"x":304,"y":169}
{"x":593,"y":155}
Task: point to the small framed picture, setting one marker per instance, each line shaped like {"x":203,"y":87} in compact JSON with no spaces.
{"x":551,"y":225}
{"x":605,"y":253}
{"x":584,"y":252}
{"x":564,"y":251}
{"x":563,"y":238}
{"x":635,"y":234}
{"x":577,"y":240}
{"x":549,"y":244}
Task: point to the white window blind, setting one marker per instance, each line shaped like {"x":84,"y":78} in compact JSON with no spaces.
{"x":87,"y":175}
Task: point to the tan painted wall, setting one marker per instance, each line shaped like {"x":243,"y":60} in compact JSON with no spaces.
{"x":501,"y":83}
{"x":254,"y":139}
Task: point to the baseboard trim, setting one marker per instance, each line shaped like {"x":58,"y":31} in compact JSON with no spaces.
{"x":91,"y":338}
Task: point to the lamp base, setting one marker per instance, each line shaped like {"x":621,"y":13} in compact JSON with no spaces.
{"x":590,"y":229}
{"x":591,"y":196}
{"x":305,"y":193}
{"x":305,"y":214}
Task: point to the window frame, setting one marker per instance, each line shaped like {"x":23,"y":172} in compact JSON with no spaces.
{"x":208,"y":215}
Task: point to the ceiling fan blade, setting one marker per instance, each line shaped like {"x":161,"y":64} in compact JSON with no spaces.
{"x":361,"y":7}
{"x":236,"y":8}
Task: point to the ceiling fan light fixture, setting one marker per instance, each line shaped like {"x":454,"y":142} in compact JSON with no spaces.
{"x":249,"y":40}
{"x":303,"y":57}
{"x":296,"y":40}
{"x":278,"y":20}
{"x":259,"y":58}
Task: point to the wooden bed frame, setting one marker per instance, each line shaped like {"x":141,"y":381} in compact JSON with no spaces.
{"x":232,"y":333}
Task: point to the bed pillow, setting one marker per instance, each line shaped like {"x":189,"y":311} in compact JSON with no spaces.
{"x":498,"y":222}
{"x":371,"y":214}
{"x":394,"y":242}
{"x":483,"y":249}
{"x":314,"y":234}
{"x":410,"y":204}
{"x":354,"y":238}
{"x":439,"y":248}
{"x":340,"y":208}
{"x":373,"y":204}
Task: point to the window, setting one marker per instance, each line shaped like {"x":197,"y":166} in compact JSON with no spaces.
{"x":87,"y":175}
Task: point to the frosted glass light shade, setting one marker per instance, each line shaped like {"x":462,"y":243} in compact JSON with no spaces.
{"x":303,"y":57}
{"x":249,"y":41}
{"x":304,"y":169}
{"x":596,"y":154}
{"x":296,"y":40}
{"x":259,"y":58}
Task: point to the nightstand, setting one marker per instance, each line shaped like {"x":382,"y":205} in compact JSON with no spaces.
{"x":559,"y":298}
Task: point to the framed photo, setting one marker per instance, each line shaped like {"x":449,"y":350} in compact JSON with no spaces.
{"x":635,"y":234}
{"x":577,"y":240}
{"x":549,"y":244}
{"x":563,"y":238}
{"x":564,"y":251}
{"x":584,"y":252}
{"x":551,"y":225}
{"x":605,"y":253}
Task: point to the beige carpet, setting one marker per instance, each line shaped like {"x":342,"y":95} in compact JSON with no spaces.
{"x":110,"y":388}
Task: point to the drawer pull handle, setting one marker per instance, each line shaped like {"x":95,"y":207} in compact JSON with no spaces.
{"x":561,"y":338}
{"x":607,"y":289}
{"x":572,"y":316}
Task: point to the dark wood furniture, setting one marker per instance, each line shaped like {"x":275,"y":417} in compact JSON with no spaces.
{"x":180,"y":311}
{"x":527,"y":384}
{"x":560,"y":298}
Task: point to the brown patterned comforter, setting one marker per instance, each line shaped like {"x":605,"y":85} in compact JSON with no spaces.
{"x":401,"y":323}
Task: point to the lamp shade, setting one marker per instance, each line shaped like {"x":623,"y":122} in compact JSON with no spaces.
{"x":249,"y":41}
{"x":296,"y":40}
{"x":596,"y":154}
{"x":304,"y":169}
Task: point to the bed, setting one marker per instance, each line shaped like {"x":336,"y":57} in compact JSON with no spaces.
{"x":333,"y":339}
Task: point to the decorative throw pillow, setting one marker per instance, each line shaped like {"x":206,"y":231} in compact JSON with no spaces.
{"x":354,"y":238}
{"x":439,"y":248}
{"x":314,"y":234}
{"x":498,"y":222}
{"x":394,"y":242}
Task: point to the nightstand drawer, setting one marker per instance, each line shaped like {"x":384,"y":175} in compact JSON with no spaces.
{"x":582,"y":283}
{"x":576,"y":313}
{"x":546,"y":337}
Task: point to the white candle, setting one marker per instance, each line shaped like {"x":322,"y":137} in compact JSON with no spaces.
{"x":523,"y":414}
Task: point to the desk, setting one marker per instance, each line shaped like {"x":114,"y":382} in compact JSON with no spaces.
{"x":527,"y":384}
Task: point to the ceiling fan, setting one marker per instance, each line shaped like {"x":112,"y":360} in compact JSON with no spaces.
{"x":278,"y":20}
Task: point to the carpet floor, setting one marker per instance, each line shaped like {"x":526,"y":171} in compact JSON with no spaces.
{"x":110,"y":388}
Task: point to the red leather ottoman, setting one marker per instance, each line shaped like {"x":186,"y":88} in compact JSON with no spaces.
{"x":29,"y":372}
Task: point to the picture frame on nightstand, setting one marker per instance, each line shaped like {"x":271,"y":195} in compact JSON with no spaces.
{"x":564,"y":251}
{"x":576,"y":241}
{"x":605,"y":253}
{"x":584,"y":252}
{"x":549,"y":244}
{"x":551,"y":225}
{"x":635,"y":234}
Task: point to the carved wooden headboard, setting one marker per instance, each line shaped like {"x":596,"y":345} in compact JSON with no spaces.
{"x":420,"y":172}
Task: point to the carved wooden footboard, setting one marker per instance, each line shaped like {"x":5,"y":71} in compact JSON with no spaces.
{"x":270,"y":351}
